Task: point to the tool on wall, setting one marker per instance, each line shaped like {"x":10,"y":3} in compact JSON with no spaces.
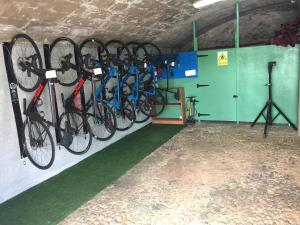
{"x":191,"y":109}
{"x":269,"y":106}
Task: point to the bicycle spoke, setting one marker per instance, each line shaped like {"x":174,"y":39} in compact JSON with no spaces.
{"x":39,"y":144}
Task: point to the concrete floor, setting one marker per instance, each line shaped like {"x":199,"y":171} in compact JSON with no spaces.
{"x":207,"y":174}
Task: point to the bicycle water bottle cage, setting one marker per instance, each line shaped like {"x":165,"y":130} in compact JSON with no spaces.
{"x":67,"y":138}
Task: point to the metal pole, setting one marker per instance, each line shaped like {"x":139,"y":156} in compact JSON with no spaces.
{"x":195,"y":37}
{"x":237,"y":47}
{"x":237,"y":32}
{"x":299,"y":81}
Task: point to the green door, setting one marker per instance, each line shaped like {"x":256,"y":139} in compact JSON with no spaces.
{"x":219,"y":98}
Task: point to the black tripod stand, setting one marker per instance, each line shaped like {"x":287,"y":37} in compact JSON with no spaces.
{"x":269,"y":106}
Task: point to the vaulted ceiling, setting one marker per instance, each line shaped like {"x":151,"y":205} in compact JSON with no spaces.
{"x":167,"y":23}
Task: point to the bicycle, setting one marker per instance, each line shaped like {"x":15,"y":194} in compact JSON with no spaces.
{"x":37,"y":138}
{"x":131,"y":87}
{"x":109,"y":91}
{"x":122,"y":107}
{"x":152,"y":62}
{"x":100,"y":116}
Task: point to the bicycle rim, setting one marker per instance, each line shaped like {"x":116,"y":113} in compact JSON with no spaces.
{"x":63,"y":52}
{"x":39,"y":145}
{"x":125,"y":116}
{"x":143,"y":109}
{"x":25,"y":52}
{"x":95,"y":49}
{"x":80,"y":131}
{"x":157,"y":103}
{"x":102,"y":122}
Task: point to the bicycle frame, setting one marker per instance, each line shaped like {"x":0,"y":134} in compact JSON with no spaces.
{"x":151,"y":69}
{"x":116,"y":101}
{"x":133,"y":71}
{"x":30,"y":110}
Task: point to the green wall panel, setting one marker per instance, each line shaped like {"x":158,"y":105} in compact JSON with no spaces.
{"x":254,"y":75}
{"x":217,"y":99}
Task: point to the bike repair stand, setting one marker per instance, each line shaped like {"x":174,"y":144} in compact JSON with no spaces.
{"x":269,"y":106}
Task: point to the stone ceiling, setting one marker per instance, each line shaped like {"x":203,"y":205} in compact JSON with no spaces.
{"x":165,"y":22}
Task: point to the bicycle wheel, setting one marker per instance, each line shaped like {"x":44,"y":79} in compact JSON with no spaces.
{"x":38,"y":143}
{"x":25,"y":55}
{"x":76,"y":131}
{"x":154,"y":53}
{"x":125,"y":116}
{"x":142,"y":57}
{"x":96,"y":50}
{"x":65,"y":58}
{"x":157,"y":103}
{"x":132,"y":46}
{"x":143,"y":109}
{"x":102,"y":122}
{"x":119,"y":51}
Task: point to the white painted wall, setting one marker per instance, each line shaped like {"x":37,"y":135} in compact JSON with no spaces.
{"x":15,"y":177}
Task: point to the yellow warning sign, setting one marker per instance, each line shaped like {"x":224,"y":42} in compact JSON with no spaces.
{"x":223,"y":58}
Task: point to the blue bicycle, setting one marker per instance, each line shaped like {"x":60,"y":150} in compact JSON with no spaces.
{"x":131,"y":87}
{"x":101,"y":117}
{"x":146,"y":63}
{"x":108,"y":93}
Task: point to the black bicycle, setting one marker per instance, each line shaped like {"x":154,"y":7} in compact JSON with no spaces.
{"x":73,"y":129}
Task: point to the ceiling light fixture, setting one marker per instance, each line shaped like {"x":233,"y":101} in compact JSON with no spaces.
{"x":202,"y":3}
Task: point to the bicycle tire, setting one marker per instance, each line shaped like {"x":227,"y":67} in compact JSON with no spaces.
{"x":85,"y":128}
{"x":16,"y":62}
{"x":123,"y":46}
{"x":100,"y":43}
{"x":147,"y":56}
{"x":77,"y":61}
{"x":129,"y":114}
{"x":157,"y":100}
{"x":111,"y":128}
{"x":37,"y":126}
{"x":155,"y":47}
{"x":144,"y":108}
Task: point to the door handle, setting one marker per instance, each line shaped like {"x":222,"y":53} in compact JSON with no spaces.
{"x":235,"y":96}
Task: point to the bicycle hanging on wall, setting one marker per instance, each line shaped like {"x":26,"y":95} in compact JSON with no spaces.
{"x":100,"y":116}
{"x":74,"y":131}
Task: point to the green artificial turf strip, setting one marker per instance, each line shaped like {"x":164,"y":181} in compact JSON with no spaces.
{"x":52,"y":200}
